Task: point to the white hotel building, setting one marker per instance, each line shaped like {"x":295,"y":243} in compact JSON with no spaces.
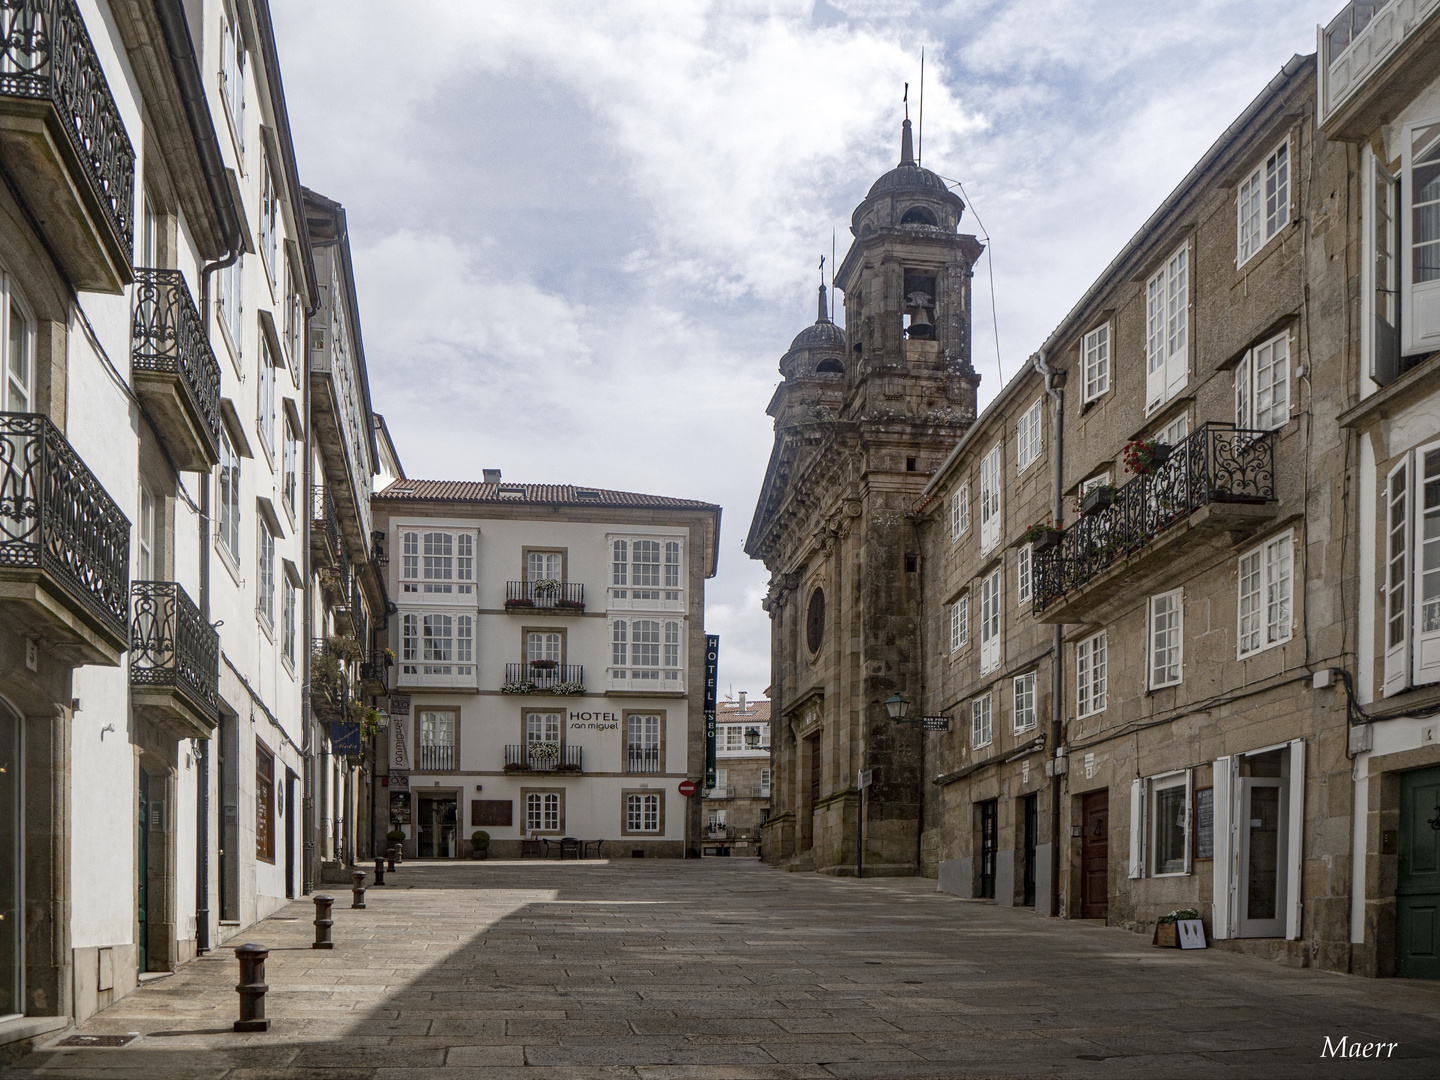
{"x":549,"y":667}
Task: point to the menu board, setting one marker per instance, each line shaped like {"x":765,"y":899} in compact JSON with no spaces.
{"x":1205,"y":823}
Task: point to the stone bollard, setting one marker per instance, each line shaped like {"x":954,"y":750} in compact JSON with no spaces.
{"x":251,"y":988}
{"x":323,"y":922}
{"x":379,"y":870}
{"x":390,"y":854}
{"x":357,"y":890}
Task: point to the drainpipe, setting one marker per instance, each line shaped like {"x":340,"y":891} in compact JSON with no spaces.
{"x":1054,"y":380}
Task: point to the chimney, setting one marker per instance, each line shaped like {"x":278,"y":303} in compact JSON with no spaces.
{"x":492,"y":476}
{"x":742,"y":701}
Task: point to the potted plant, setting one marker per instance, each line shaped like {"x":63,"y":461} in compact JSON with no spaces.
{"x":346,"y":648}
{"x":1166,"y":934}
{"x":515,"y":766}
{"x":389,"y":657}
{"x":546,"y":588}
{"x":544,"y":665}
{"x":479,"y":844}
{"x":397,"y":841}
{"x":1098,"y":498}
{"x":519,"y":602}
{"x":1143,"y":456}
{"x":575,"y":605}
{"x":523,"y":687}
{"x":564,"y":688}
{"x":1042,"y":536}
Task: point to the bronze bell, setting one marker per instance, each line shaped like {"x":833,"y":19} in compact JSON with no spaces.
{"x":917,"y":306}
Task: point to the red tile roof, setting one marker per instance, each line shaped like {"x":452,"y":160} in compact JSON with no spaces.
{"x":532,"y":494}
{"x":729,"y":711}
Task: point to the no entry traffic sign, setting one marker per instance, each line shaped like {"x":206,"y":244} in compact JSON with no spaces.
{"x":687,"y":787}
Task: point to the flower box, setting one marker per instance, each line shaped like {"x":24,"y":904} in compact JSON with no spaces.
{"x":516,"y":766}
{"x":1048,"y":540}
{"x":519,"y":603}
{"x":1098,"y":499}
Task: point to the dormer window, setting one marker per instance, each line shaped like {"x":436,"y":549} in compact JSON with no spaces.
{"x":919,"y":215}
{"x":512,"y":491}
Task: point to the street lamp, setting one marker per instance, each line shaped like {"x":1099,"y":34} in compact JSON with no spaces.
{"x":752,"y":737}
{"x":897,"y":705}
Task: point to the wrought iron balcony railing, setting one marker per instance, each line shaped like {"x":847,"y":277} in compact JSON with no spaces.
{"x":172,"y":647}
{"x":544,"y":595}
{"x":169,"y":348}
{"x":329,"y":682}
{"x":435,"y":758}
{"x":642,"y":759}
{"x":1216,"y":464}
{"x":46,"y":55}
{"x":542,"y":757}
{"x":375,"y":673}
{"x":544,"y":677}
{"x":325,"y":524}
{"x":57,"y":518}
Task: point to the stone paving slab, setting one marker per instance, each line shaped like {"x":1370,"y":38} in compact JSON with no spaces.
{"x":723,"y":969}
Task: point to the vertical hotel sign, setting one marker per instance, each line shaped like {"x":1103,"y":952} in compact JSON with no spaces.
{"x":712,"y":681}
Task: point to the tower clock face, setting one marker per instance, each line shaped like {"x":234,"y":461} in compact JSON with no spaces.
{"x":815,"y":620}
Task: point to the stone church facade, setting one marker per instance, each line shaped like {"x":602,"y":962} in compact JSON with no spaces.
{"x":863,"y":417}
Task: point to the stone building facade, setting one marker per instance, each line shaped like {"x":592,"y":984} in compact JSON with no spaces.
{"x":739,"y":803}
{"x":862,"y":417}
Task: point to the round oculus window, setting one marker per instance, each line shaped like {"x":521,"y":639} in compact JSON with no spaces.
{"x":815,"y":620}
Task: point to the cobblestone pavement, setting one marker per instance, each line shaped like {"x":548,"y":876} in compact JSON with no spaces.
{"x":726,"y":970}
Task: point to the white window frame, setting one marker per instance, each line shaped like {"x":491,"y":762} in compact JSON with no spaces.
{"x":288,"y":621}
{"x":1029,"y":438}
{"x":1419,"y":300}
{"x":544,"y":813}
{"x":437,"y":647}
{"x":269,"y":217}
{"x":265,"y":397}
{"x":290,"y":470}
{"x":17,"y":389}
{"x":960,"y":623}
{"x":1095,"y":363}
{"x":1262,"y":203}
{"x":1380,"y":229}
{"x":232,"y":77}
{"x":1262,"y":385}
{"x":1176,"y":431}
{"x":646,"y":584}
{"x":960,"y":511}
{"x":1154,"y":785}
{"x":990,"y":505}
{"x":1091,"y":675}
{"x":436,"y":564}
{"x":1025,"y":716}
{"x":265,"y":574}
{"x":642,"y":812}
{"x":228,"y":496}
{"x":1167,"y":329}
{"x":982,"y":722}
{"x":1265,"y":595}
{"x":1413,"y":658}
{"x":230,"y":301}
{"x":1164,"y":659}
{"x":647,"y":652}
{"x":991,"y":588}
{"x":1024,"y":573}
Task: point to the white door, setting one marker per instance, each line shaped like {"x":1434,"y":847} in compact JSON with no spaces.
{"x":1263,"y":836}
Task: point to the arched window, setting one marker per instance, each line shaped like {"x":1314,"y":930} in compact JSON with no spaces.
{"x":830,"y":366}
{"x":919,"y":215}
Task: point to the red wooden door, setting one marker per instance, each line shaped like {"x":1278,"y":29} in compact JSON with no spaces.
{"x":1095,"y":856}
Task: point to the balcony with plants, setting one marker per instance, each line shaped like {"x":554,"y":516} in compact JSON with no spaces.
{"x":542,"y":757}
{"x":331,"y":693}
{"x":1218,"y":484}
{"x":63,"y":145}
{"x":326,"y":544}
{"x":546,"y":595}
{"x":544,"y":677}
{"x":64,"y":547}
{"x":375,"y":672}
{"x":174,"y":661}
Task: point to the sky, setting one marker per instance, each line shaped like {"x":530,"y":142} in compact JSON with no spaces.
{"x":585,"y":233}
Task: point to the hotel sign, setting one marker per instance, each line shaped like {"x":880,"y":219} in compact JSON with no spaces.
{"x":712,"y":682}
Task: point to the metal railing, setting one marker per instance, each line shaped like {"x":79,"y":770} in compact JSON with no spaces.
{"x":329,"y":696}
{"x":1218,"y":463}
{"x":542,"y":757}
{"x":759,"y":791}
{"x":325,"y":522}
{"x":642,"y":759}
{"x":720,"y":793}
{"x":566,"y":678}
{"x":172,"y":646}
{"x":169,"y":338}
{"x":46,"y":55}
{"x":376,"y":672}
{"x":558,"y":595}
{"x":57,"y":517}
{"x":435,"y":758}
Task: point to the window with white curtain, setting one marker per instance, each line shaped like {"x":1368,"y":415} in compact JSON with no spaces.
{"x":1095,"y":363}
{"x":1264,"y":595}
{"x":1167,"y":325}
{"x":1263,"y":203}
{"x":1262,"y":385}
{"x":1090,"y":675}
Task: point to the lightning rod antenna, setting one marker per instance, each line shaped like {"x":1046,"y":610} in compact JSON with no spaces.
{"x":920,"y":142}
